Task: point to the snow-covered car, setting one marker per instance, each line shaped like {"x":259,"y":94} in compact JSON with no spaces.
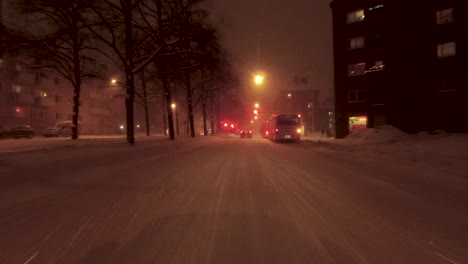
{"x":18,"y":132}
{"x":62,"y":129}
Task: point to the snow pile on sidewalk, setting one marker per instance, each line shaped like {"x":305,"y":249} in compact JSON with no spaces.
{"x":42,"y":144}
{"x":438,"y":151}
{"x":383,"y":134}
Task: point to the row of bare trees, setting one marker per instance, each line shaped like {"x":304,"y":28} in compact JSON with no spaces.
{"x":157,"y":45}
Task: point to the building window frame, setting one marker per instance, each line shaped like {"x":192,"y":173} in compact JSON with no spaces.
{"x":357,"y":96}
{"x":445,"y":16}
{"x":356,"y":69}
{"x":58,"y":99}
{"x":16,"y":89}
{"x":447,"y":49}
{"x":355,"y":16}
{"x":356,"y":43}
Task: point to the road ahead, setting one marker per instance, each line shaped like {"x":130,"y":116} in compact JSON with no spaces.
{"x":226,"y":200}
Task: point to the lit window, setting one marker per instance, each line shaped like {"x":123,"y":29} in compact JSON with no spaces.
{"x":41,"y":94}
{"x":357,"y":69}
{"x":355,"y":16}
{"x":446,"y":50}
{"x":444,"y":16}
{"x":309,"y":105}
{"x":356,"y":43}
{"x":16,"y":89}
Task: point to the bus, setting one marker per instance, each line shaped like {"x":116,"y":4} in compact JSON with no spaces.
{"x":285,"y":127}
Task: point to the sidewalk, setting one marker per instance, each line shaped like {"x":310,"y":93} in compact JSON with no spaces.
{"x":45,"y":143}
{"x":316,"y":136}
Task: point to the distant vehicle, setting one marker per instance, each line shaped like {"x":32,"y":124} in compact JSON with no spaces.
{"x":284,"y":127}
{"x":62,"y":129}
{"x":264,"y":129}
{"x":17,"y":132}
{"x":246,"y":134}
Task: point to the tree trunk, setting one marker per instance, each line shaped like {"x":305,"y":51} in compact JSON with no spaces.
{"x":168,"y":96}
{"x":130,"y":83}
{"x":129,"y":107}
{"x":212,"y":114}
{"x":77,"y":73}
{"x":145,"y":101}
{"x":205,"y":128}
{"x":190,"y":106}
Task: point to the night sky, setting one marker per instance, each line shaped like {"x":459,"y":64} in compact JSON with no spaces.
{"x":280,"y":38}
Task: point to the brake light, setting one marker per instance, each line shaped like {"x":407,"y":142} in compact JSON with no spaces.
{"x":276,"y":130}
{"x":266,"y":132}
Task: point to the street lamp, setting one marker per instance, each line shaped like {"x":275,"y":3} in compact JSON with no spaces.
{"x":113,"y":81}
{"x":256,"y":105}
{"x":173,"y":106}
{"x":258,"y":79}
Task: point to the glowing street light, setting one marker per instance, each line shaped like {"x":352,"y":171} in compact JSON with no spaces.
{"x":173,"y":106}
{"x":113,"y":81}
{"x":257,"y":105}
{"x":258,"y":79}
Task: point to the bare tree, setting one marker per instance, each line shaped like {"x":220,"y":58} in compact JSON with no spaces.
{"x":120,"y":25}
{"x":63,"y":43}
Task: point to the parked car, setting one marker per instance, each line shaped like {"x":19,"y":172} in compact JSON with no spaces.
{"x":18,"y":132}
{"x":246,"y":134}
{"x":62,"y":129}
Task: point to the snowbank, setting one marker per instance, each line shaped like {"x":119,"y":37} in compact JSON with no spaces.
{"x":438,"y":151}
{"x":41,"y":143}
{"x":383,"y":134}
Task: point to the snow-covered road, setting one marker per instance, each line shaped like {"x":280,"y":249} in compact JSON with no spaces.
{"x":227,"y":200}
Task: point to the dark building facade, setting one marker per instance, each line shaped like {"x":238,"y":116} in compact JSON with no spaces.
{"x":401,"y":63}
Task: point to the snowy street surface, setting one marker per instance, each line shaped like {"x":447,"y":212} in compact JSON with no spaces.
{"x":376,"y":197}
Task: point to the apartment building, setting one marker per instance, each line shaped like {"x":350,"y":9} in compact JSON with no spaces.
{"x":40,"y":98}
{"x":400,"y":63}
